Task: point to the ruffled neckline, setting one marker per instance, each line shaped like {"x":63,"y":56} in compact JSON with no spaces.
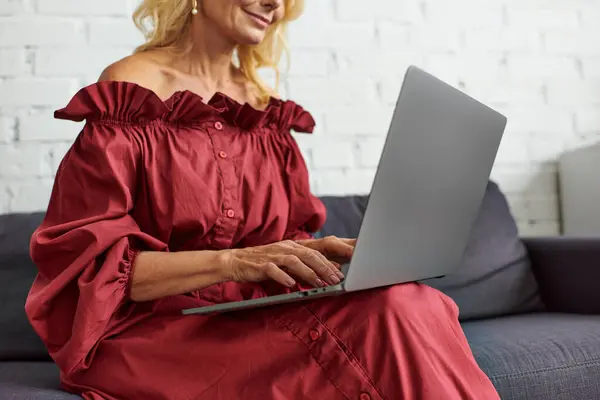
{"x":128,"y":102}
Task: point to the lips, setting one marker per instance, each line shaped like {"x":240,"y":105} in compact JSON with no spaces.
{"x":259,"y":19}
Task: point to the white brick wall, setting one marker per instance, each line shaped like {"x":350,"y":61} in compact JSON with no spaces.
{"x":536,"y":60}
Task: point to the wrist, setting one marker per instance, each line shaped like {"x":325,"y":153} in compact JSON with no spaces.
{"x":222,"y":261}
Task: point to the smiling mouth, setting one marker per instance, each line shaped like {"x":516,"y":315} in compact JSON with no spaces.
{"x":262,"y":21}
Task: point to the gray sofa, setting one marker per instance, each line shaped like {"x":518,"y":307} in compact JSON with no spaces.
{"x":550,"y":352}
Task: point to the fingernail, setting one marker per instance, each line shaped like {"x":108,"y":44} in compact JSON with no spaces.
{"x":291,"y":283}
{"x":320,"y":283}
{"x":340,"y":275}
{"x":334,"y":279}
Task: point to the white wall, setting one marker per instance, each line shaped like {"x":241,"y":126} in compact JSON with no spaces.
{"x":538,"y":61}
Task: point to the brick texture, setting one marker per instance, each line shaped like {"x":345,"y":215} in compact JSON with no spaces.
{"x":536,"y":61}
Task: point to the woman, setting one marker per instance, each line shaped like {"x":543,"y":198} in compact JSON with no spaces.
{"x":166,"y":202}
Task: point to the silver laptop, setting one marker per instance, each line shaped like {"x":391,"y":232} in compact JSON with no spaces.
{"x":429,"y":185}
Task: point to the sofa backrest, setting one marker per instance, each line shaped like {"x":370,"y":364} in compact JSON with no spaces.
{"x":18,"y":341}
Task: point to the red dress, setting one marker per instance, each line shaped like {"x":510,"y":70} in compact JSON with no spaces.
{"x":180,"y":174}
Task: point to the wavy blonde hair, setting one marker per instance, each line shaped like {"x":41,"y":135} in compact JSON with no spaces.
{"x":163,"y":22}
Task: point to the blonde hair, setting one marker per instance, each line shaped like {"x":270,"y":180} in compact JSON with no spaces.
{"x":163,"y":22}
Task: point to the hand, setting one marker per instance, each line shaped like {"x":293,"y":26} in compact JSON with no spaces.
{"x":333,"y":248}
{"x":275,"y":261}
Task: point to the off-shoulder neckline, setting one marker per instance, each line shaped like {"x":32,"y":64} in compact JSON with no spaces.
{"x":122,"y":101}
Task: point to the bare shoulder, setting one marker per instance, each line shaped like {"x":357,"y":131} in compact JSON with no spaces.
{"x":141,"y":69}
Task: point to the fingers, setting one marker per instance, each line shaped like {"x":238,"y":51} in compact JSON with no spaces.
{"x":335,"y":275}
{"x":324,"y":261}
{"x":351,"y":242}
{"x":338,"y":249}
{"x":343,"y":250}
{"x":321,"y":265}
{"x":272,"y":271}
{"x":298,"y":268}
{"x":310,"y":265}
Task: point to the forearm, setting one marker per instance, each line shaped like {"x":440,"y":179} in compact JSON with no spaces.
{"x":161,"y":274}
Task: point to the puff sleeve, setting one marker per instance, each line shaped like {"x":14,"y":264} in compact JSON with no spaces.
{"x":85,"y":247}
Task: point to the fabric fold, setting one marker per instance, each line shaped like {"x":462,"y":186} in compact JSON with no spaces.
{"x":130,"y":102}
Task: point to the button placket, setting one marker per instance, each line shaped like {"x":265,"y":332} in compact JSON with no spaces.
{"x":227,"y":223}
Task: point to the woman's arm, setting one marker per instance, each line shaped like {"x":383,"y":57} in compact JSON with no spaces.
{"x":161,"y":274}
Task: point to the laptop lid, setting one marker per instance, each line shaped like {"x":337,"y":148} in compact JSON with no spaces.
{"x":429,"y":185}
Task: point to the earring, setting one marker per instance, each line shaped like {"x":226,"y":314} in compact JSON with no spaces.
{"x":195,"y":7}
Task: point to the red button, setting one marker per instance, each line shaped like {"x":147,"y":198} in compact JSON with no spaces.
{"x":230,"y":213}
{"x":365,"y":396}
{"x":314,"y":334}
{"x":222,"y":154}
{"x":218,"y":125}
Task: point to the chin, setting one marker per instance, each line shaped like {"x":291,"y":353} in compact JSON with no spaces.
{"x":249,"y":38}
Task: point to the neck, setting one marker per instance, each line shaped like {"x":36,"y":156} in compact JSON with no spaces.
{"x":209,"y":54}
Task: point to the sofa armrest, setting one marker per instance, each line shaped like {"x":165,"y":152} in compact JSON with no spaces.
{"x":568,"y":272}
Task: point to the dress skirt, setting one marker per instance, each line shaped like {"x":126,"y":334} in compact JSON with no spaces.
{"x":401,"y":342}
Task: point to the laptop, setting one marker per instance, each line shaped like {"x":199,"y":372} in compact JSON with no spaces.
{"x":428,"y":188}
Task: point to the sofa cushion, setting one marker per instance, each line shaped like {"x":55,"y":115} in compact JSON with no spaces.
{"x":18,"y":341}
{"x":344,"y":215}
{"x":539,"y":356}
{"x":31,"y":381}
{"x":495,"y":277}
{"x":16,"y":231}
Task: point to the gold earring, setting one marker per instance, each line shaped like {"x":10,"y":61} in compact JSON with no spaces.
{"x":195,"y":7}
